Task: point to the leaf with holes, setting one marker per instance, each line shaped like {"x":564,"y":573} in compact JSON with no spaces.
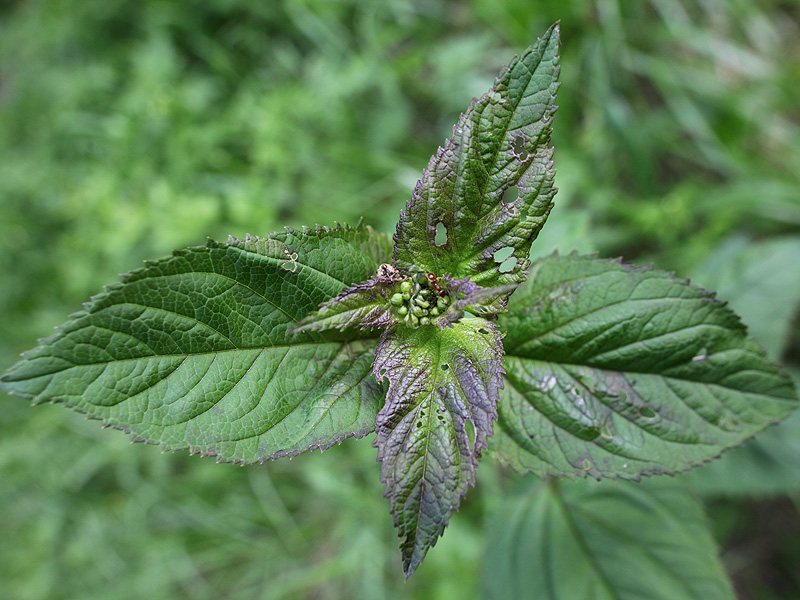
{"x":439,"y":381}
{"x":194,"y":351}
{"x":613,"y":371}
{"x":604,"y":541}
{"x":267,"y":347}
{"x":501,"y":141}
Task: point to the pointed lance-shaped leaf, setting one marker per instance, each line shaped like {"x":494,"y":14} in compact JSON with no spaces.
{"x":365,"y":305}
{"x":194,"y":351}
{"x":470,"y":296}
{"x":439,"y":380}
{"x":501,"y":141}
{"x":613,"y":371}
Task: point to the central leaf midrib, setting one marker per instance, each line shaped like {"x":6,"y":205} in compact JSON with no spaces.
{"x":635,"y":372}
{"x":516,"y":388}
{"x":554,"y":492}
{"x":183,"y":354}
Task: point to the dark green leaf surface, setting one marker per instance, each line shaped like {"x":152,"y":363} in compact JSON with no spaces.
{"x":440,"y":379}
{"x":501,"y":141}
{"x":193,"y":351}
{"x":613,"y":371}
{"x":762,"y":282}
{"x":603,"y":541}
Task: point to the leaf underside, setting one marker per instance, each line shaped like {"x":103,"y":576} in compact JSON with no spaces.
{"x":439,"y":380}
{"x":604,"y":541}
{"x":194,"y":350}
{"x":613,"y":371}
{"x":501,"y":141}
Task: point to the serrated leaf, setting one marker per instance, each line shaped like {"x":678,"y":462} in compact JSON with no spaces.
{"x":364,"y":305}
{"x":501,"y":141}
{"x":193,"y":351}
{"x":613,"y":371}
{"x":762,"y":283}
{"x":766,"y":465}
{"x":604,"y":541}
{"x":439,"y":380}
{"x":478,"y":299}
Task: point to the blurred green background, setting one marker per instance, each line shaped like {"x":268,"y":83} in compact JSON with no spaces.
{"x":129,"y":128}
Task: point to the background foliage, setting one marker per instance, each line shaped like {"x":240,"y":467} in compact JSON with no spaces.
{"x":131,"y":128}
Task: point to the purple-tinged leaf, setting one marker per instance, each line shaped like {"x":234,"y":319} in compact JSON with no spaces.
{"x":365,"y":305}
{"x":479,"y":300}
{"x":440,"y":379}
{"x":501,"y":141}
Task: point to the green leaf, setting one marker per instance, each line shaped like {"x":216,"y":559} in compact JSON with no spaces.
{"x":500,"y":142}
{"x":364,"y":305}
{"x":762,"y":282}
{"x":440,"y":379}
{"x":613,"y":371}
{"x":604,"y":541}
{"x":193,"y":351}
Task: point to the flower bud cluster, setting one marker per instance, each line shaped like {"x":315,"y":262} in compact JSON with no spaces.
{"x":420,"y":300}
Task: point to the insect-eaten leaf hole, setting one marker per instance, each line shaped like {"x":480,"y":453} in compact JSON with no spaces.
{"x":511,"y":194}
{"x":505,"y":260}
{"x":445,"y":367}
{"x":441,"y":234}
{"x":647,"y":412}
{"x":470,"y":429}
{"x":483,"y":331}
{"x":518,"y":148}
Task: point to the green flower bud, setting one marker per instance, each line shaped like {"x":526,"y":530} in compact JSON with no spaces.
{"x":396,"y":299}
{"x":402,"y":311}
{"x":405,"y":286}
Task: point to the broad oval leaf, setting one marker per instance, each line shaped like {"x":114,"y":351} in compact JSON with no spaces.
{"x":604,"y":541}
{"x":500,"y":142}
{"x":613,"y":371}
{"x":439,"y":380}
{"x":194,"y":351}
